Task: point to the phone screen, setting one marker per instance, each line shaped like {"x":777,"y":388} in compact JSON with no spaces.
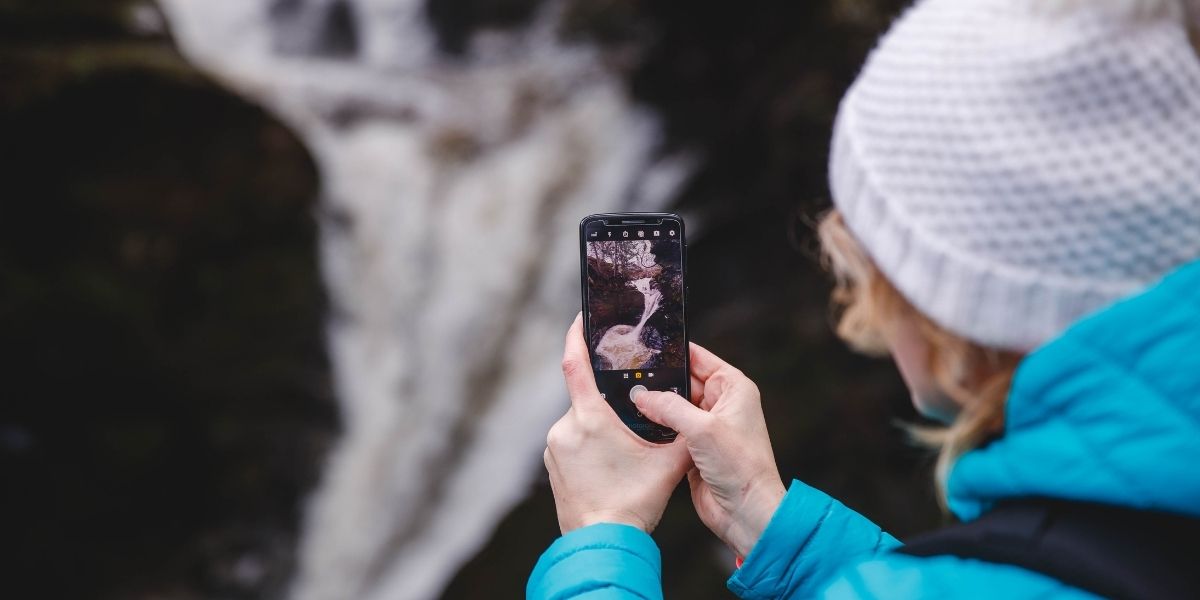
{"x":634,"y":311}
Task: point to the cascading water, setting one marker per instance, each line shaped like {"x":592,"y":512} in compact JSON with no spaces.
{"x":451,"y":190}
{"x":622,"y":345}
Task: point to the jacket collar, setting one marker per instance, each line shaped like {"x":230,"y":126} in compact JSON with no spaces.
{"x":1107,"y":412}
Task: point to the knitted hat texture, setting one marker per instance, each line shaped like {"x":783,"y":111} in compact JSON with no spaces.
{"x":1011,"y":165}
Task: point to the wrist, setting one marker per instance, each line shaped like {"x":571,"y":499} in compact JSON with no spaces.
{"x":751,"y":518}
{"x":614,"y":517}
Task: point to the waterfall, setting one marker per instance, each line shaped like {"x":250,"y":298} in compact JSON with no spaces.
{"x":650,"y":296}
{"x":451,"y":189}
{"x":622,"y":345}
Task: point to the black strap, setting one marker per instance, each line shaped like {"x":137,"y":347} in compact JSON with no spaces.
{"x":1112,"y":551}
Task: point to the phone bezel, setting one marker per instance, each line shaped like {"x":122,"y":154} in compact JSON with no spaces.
{"x":668,"y":435}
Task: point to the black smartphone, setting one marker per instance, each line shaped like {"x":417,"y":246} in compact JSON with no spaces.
{"x":633,"y":276}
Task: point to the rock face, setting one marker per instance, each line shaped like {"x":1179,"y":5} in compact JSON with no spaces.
{"x":451,"y":190}
{"x":166,"y":400}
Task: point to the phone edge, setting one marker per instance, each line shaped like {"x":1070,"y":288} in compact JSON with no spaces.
{"x":683,"y":260}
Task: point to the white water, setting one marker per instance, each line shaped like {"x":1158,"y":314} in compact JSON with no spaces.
{"x":622,"y":345}
{"x":451,"y":190}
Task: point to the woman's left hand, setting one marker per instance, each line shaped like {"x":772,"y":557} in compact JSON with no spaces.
{"x":600,"y":471}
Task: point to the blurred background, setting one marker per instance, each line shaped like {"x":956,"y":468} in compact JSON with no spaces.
{"x":283,"y":283}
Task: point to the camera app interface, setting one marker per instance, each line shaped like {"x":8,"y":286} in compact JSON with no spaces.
{"x":635,"y":315}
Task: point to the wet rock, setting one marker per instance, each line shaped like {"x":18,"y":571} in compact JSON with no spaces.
{"x":166,"y":396}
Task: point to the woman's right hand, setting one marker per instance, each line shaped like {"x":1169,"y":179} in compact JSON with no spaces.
{"x":735,"y":483}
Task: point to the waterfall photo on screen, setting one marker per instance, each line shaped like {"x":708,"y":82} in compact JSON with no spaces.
{"x":635,"y":304}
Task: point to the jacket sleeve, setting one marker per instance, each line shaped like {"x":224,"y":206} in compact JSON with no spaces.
{"x":604,"y":561}
{"x":808,"y":540}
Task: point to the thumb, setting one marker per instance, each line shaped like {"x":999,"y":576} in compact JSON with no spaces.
{"x":671,"y":410}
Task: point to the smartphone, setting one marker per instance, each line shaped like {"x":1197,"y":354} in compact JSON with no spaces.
{"x":633,"y":277}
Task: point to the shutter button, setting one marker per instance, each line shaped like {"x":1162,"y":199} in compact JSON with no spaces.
{"x":633,"y":392}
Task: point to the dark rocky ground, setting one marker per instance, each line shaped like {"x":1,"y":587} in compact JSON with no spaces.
{"x":165,"y":396}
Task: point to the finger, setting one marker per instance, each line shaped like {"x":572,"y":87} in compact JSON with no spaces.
{"x":694,"y":482}
{"x":681,"y":457}
{"x":673,"y":457}
{"x":671,"y":410}
{"x":697,"y":393}
{"x":703,"y":362}
{"x":577,"y":369}
{"x":696,"y":488}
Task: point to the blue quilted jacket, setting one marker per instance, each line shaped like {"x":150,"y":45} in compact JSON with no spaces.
{"x":1107,"y":412}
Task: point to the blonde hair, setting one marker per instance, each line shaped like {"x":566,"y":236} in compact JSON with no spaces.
{"x":976,"y":377}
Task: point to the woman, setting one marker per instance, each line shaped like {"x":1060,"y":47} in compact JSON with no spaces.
{"x":1017,"y":222}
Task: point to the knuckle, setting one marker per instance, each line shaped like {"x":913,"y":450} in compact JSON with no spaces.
{"x":718,"y":380}
{"x":564,"y":435}
{"x":571,"y":366}
{"x":554,"y":436}
{"x":733,"y":379}
{"x":667,"y":403}
{"x":751,"y":387}
{"x":736,"y":374}
{"x":589,"y":426}
{"x":665,"y":408}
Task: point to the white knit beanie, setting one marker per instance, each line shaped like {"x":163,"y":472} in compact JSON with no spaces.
{"x":1011,"y":165}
